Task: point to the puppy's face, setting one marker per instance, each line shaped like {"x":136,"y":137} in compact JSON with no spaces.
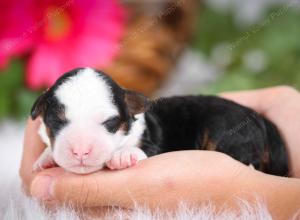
{"x":86,"y":117}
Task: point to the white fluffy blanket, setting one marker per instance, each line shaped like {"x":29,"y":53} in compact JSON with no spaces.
{"x":14,"y":205}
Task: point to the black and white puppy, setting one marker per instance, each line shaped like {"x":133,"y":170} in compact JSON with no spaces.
{"x":89,"y":122}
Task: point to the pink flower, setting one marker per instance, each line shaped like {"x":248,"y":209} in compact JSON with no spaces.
{"x":15,"y":23}
{"x":69,"y":34}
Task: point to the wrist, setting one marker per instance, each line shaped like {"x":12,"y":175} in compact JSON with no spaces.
{"x":281,"y":195}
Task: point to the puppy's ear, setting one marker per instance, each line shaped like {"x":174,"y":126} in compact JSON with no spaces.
{"x":39,"y":106}
{"x":136,"y":102}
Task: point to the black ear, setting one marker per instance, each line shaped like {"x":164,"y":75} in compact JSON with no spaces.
{"x":39,"y":106}
{"x":136,"y":102}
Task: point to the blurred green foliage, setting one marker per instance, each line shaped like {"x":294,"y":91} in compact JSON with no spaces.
{"x":15,"y":98}
{"x":276,"y":36}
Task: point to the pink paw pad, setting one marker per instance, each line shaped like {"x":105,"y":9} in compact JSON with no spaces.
{"x":122,"y":160}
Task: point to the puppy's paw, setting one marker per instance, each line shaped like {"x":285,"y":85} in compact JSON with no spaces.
{"x":41,"y":165}
{"x":44,"y":161}
{"x":125,"y":158}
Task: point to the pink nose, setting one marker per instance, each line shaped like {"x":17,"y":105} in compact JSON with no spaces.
{"x":81,"y":153}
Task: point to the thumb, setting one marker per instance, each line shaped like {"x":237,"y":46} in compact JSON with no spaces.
{"x":97,"y":189}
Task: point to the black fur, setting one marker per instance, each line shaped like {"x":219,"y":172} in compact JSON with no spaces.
{"x":212,"y":123}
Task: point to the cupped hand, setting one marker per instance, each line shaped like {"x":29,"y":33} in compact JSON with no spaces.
{"x":281,"y":105}
{"x":166,"y":173}
{"x":166,"y":179}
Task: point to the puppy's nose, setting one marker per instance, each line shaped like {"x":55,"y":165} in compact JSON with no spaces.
{"x":81,"y":153}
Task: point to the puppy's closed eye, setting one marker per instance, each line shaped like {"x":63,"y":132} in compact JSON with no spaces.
{"x":112,"y":124}
{"x":61,"y":113}
{"x":55,"y":118}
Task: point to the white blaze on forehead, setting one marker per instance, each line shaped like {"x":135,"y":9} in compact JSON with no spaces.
{"x":86,"y":94}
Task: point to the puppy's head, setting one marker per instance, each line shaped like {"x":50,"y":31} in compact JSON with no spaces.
{"x":87,"y":116}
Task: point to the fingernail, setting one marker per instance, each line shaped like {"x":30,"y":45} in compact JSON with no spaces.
{"x":41,"y":187}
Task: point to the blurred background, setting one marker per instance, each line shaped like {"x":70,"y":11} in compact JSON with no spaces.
{"x":157,"y":47}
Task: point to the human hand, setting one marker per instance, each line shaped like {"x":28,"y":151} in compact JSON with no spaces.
{"x":192,"y":176}
{"x":147,"y":173}
{"x":281,"y":105}
{"x":33,"y":147}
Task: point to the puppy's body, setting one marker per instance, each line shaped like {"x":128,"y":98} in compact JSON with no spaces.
{"x":89,"y":122}
{"x":212,"y":123}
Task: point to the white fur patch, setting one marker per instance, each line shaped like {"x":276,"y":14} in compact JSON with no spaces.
{"x":85,"y":95}
{"x":44,"y":161}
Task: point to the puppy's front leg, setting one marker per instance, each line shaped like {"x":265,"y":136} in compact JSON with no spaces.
{"x":44,"y":161}
{"x":125,"y":157}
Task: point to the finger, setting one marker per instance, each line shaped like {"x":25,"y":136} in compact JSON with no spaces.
{"x":43,"y":182}
{"x":250,"y":99}
{"x":260,"y":100}
{"x":32,"y":149}
{"x":245,"y":98}
{"x":136,"y":185}
{"x":98,"y":189}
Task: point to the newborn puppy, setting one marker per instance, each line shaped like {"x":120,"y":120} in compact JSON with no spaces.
{"x":89,"y":122}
